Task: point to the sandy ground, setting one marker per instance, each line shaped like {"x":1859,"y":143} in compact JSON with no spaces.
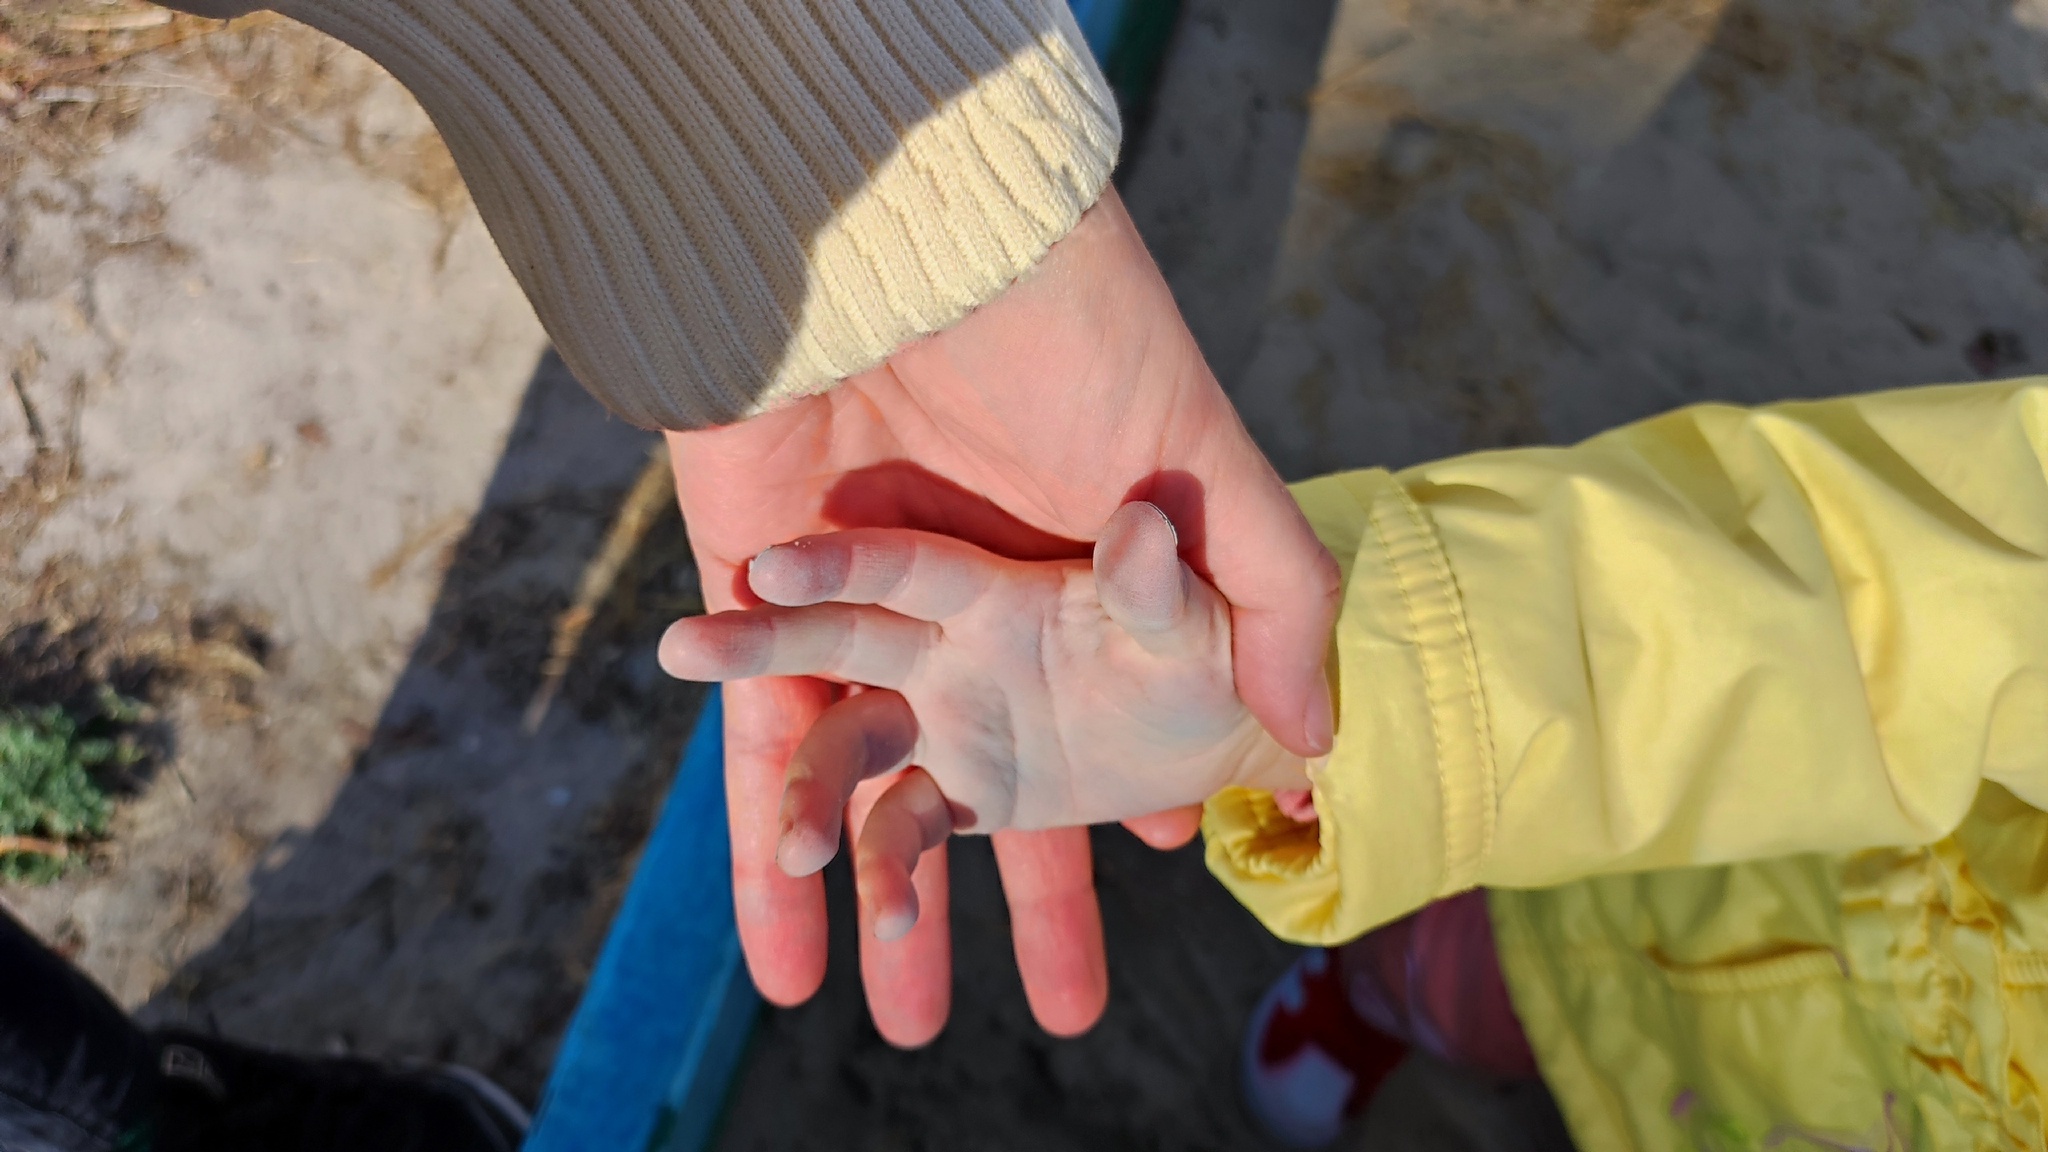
{"x":1524,"y":223}
{"x":284,"y":428}
{"x":351,"y":845}
{"x":283,"y":445}
{"x":281,"y":450}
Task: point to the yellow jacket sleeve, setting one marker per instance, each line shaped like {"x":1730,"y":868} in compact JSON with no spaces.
{"x":1714,"y":636}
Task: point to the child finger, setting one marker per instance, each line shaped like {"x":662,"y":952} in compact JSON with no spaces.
{"x":911,"y":817}
{"x":854,"y":643}
{"x":860,"y":737}
{"x":919,"y":574}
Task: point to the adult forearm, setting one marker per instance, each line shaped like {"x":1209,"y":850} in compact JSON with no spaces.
{"x":717,"y":207}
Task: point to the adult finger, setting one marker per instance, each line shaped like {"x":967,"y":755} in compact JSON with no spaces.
{"x":853,"y":643}
{"x":1169,"y":829}
{"x":781,"y":918}
{"x":1283,"y":588}
{"x":909,"y":980}
{"x":919,"y":574}
{"x":865,"y":735}
{"x":1056,"y":926}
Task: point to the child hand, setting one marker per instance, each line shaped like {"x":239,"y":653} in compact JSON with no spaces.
{"x":1026,"y":694}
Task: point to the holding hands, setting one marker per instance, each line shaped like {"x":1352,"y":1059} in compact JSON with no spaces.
{"x":1006,"y":694}
{"x":1021,"y":430}
{"x":851,"y":319}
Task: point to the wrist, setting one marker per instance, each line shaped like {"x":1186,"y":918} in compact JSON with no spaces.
{"x":1268,"y":767}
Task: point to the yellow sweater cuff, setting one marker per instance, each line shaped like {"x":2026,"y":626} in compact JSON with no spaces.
{"x":1406,"y":798}
{"x":719,"y":207}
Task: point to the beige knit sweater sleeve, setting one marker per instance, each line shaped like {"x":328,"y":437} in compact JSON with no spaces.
{"x":717,"y":206}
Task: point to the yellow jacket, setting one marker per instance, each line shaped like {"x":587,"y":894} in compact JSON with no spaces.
{"x":1743,"y":716}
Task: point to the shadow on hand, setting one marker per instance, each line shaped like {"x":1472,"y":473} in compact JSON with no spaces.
{"x":901,"y":494}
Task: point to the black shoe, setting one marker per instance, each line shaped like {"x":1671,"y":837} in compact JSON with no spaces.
{"x":222,"y":1097}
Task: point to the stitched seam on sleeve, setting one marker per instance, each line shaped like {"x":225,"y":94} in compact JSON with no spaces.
{"x":1450,"y":671}
{"x":1436,"y":720}
{"x":1482,"y":728}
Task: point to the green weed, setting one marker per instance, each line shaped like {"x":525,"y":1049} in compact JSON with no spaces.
{"x":51,"y":796}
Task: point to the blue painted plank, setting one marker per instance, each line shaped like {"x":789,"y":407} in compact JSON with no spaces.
{"x":1100,"y":21}
{"x":667,"y":1013}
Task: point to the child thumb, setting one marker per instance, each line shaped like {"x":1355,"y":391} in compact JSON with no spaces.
{"x":1139,"y":577}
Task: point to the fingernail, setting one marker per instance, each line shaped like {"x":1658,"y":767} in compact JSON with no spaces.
{"x":800,"y":855}
{"x":761,"y":566}
{"x":667,"y":654}
{"x":892,"y":926}
{"x":1319,"y":725}
{"x":1168,"y":521}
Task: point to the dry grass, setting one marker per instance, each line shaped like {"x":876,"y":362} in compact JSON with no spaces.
{"x":1613,"y":21}
{"x":50,"y":50}
{"x":60,"y":96}
{"x":69,"y":82}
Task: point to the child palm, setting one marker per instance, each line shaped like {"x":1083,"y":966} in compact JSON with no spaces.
{"x":1025,"y":694}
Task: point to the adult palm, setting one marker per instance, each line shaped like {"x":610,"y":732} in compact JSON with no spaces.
{"x":1020,"y":429}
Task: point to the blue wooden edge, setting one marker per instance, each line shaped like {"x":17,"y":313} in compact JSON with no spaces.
{"x":1100,"y":21}
{"x":662,"y":1025}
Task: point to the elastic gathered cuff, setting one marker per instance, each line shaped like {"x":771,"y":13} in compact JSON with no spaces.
{"x":717,"y":208}
{"x":1406,"y":799}
{"x":1281,"y":869}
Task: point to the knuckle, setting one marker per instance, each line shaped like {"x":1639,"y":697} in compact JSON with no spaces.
{"x":879,"y":569}
{"x":736,"y":648}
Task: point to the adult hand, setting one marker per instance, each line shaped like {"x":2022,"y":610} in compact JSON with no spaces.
{"x":1021,"y":429}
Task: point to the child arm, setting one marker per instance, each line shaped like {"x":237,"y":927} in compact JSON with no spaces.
{"x":1712,"y":636}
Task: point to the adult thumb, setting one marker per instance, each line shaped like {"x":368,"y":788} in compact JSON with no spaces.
{"x":1140,"y":579}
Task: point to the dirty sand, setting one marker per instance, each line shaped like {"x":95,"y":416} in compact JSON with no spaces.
{"x":283,"y":444}
{"x":1524,"y":223}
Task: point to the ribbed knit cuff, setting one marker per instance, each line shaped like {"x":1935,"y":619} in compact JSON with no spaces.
{"x":717,"y":206}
